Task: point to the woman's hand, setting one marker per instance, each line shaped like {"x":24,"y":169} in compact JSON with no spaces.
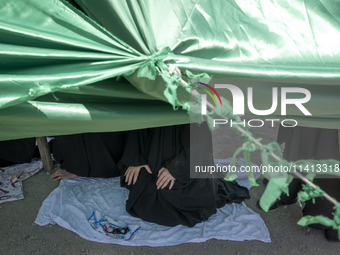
{"x":164,"y":178}
{"x":131,"y":174}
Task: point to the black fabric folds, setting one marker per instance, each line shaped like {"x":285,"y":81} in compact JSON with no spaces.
{"x":16,"y":151}
{"x":90,"y":154}
{"x":190,"y":201}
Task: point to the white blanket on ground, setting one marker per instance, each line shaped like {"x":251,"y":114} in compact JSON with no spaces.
{"x":71,"y":204}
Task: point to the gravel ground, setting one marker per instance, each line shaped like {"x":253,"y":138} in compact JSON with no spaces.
{"x":20,"y":235}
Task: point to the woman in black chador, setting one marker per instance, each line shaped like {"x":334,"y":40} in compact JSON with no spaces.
{"x":17,"y":151}
{"x":155,"y":167}
{"x":88,"y":155}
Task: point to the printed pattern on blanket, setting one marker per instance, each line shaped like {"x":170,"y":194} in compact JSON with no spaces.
{"x":11,"y":180}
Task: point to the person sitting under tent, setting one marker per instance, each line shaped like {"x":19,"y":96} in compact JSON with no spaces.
{"x":155,"y":168}
{"x":154,"y":164}
{"x":88,"y":155}
{"x":17,"y":151}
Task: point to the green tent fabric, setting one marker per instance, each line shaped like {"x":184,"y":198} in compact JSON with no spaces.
{"x":63,"y":71}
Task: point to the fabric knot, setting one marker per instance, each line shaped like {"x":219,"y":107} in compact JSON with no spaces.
{"x":38,"y":91}
{"x":149,"y":68}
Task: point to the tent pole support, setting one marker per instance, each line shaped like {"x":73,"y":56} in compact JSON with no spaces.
{"x":45,"y":154}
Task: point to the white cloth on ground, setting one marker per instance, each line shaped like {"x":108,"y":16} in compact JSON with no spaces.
{"x":71,"y":204}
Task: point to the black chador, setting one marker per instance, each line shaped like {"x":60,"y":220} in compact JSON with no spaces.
{"x":190,"y":201}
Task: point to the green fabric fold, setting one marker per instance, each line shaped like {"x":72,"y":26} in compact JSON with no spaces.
{"x":49,"y":47}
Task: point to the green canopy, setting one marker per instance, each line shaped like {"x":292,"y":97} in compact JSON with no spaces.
{"x":65,"y":71}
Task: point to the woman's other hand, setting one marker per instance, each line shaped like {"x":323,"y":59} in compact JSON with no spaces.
{"x":131,"y":174}
{"x":164,"y":178}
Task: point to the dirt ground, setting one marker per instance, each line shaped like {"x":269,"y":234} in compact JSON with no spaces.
{"x":20,"y":235}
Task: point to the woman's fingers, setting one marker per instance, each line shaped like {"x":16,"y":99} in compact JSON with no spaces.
{"x":62,"y":174}
{"x":132,"y":173}
{"x":147,"y":169}
{"x":161,"y":179}
{"x":129,"y":175}
{"x":166,"y":182}
{"x":135,"y":176}
{"x":55,"y":174}
{"x":58,"y":173}
{"x":172,"y":183}
{"x":165,"y":179}
{"x":161,"y":183}
{"x":126,"y":174}
{"x":161,"y":171}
